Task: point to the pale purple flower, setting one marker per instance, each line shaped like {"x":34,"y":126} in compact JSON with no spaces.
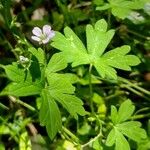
{"x":42,"y":36}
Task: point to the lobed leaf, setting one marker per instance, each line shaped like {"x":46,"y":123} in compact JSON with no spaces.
{"x":23,"y":89}
{"x":132,"y":130}
{"x":121,"y":142}
{"x":111,"y":138}
{"x":114,"y":114}
{"x":125,"y":111}
{"x":50,"y":114}
{"x":38,"y":54}
{"x":98,"y":38}
{"x":15,"y":73}
{"x":71,"y":46}
{"x":56,"y":63}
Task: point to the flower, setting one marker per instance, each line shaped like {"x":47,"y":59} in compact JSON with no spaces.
{"x":23,"y":59}
{"x":42,"y":36}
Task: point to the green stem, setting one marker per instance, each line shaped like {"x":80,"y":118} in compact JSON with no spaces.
{"x":16,"y":100}
{"x":3,"y":106}
{"x":92,"y":140}
{"x":140,"y":116}
{"x":109,"y":18}
{"x":137,"y":34}
{"x":134,"y":85}
{"x":141,"y":110}
{"x":114,"y":95}
{"x":134,"y":91}
{"x":91,"y":89}
{"x":73,"y":137}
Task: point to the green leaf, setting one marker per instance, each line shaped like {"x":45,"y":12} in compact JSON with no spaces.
{"x":60,"y":86}
{"x":15,"y":73}
{"x":98,"y":38}
{"x":111,"y":138}
{"x":72,"y":103}
{"x":117,"y":58}
{"x":132,"y":130}
{"x":114,"y":114}
{"x":57,"y":83}
{"x":121,"y":142}
{"x":50,"y":114}
{"x":117,"y":138}
{"x":38,"y":54}
{"x":104,"y":70}
{"x":125,"y":111}
{"x":61,"y":89}
{"x":72,"y":47}
{"x":25,"y":142}
{"x":56,"y":63}
{"x":26,"y":82}
{"x":103,"y":7}
{"x":122,"y":8}
{"x":23,"y":89}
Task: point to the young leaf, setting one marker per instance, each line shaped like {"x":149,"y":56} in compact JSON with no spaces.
{"x":114,"y":114}
{"x":132,"y":130}
{"x":125,"y":111}
{"x":98,"y":39}
{"x":50,"y":114}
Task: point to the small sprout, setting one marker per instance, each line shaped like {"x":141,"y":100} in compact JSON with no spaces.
{"x":42,"y":36}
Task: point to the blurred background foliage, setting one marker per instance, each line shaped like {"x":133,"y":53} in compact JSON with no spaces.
{"x":19,"y":123}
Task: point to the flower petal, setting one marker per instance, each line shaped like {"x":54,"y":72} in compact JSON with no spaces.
{"x":35,"y":38}
{"x":37,"y":31}
{"x":52,"y":34}
{"x":46,"y":30}
{"x":49,"y":37}
{"x":46,"y":40}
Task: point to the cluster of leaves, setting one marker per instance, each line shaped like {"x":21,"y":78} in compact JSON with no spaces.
{"x":57,"y":88}
{"x":98,"y":39}
{"x":122,"y":127}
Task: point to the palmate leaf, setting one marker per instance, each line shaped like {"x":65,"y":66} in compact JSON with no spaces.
{"x":60,"y":86}
{"x":23,"y":83}
{"x":132,"y":130}
{"x":26,"y":82}
{"x":123,"y":128}
{"x":122,"y":8}
{"x":124,"y":113}
{"x":98,"y":38}
{"x":59,"y":89}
